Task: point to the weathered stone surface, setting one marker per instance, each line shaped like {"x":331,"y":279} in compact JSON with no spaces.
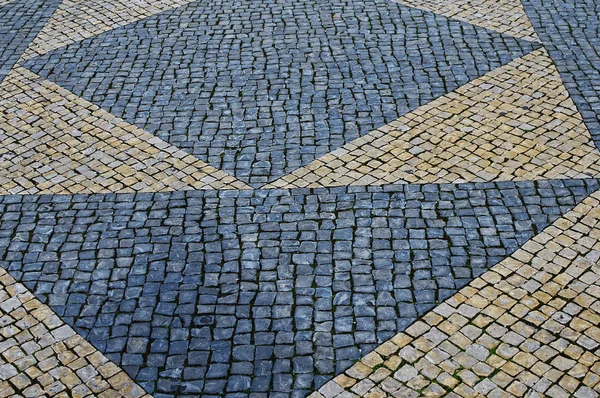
{"x":554,"y":279}
{"x":281,"y":288}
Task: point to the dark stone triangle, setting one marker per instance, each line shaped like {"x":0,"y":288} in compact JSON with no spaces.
{"x":269,"y":291}
{"x":570,"y":31}
{"x":261,"y":88}
{"x":20,"y":22}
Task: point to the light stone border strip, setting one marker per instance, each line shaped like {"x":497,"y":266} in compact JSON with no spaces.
{"x":40,"y":355}
{"x":76,"y":20}
{"x":514,"y":123}
{"x":527,"y":327}
{"x":55,"y":142}
{"x":504,"y":16}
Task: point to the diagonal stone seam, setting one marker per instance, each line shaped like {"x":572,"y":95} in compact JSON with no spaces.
{"x":76,"y":20}
{"x":202,"y":256}
{"x":226,"y":116}
{"x":569,"y":31}
{"x":504,"y":16}
{"x":53,"y":141}
{"x":20,"y":22}
{"x":543,"y":299}
{"x":517,"y":122}
{"x":40,"y":355}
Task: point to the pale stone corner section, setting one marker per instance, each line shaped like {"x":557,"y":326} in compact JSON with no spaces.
{"x":503,"y":16}
{"x":40,"y":355}
{"x":54,"y":142}
{"x":514,"y":123}
{"x":76,"y":20}
{"x":530,"y":326}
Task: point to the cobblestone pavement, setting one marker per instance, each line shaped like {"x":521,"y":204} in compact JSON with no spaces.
{"x":250,"y":199}
{"x":522,"y":106}
{"x":271,"y":101}
{"x":52,"y":141}
{"x":20,"y":22}
{"x":288,"y":286}
{"x":504,"y":16}
{"x":570,"y":33}
{"x":43,"y":356}
{"x":528,"y":326}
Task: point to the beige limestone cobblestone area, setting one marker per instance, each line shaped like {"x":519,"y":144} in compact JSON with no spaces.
{"x":76,"y":20}
{"x":52,"y":141}
{"x":504,"y":16}
{"x":528,"y":327}
{"x":514,"y":123}
{"x":41,"y":356}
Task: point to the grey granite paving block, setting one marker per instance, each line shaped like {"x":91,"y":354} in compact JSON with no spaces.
{"x":570,"y":31}
{"x":244,"y":293}
{"x":261,"y":88}
{"x":20,"y":22}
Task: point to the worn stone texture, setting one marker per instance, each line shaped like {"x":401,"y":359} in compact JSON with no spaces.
{"x":52,"y":141}
{"x":76,"y":20}
{"x":260,"y":88}
{"x":41,"y":356}
{"x":514,"y":123}
{"x":253,"y":292}
{"x":20,"y":22}
{"x":505,"y":16}
{"x":527,"y":327}
{"x":133,"y":262}
{"x":570,"y":31}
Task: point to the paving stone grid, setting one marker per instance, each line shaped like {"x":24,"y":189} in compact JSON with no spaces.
{"x":262,"y":291}
{"x":261,"y":96}
{"x":243,"y":198}
{"x":528,"y":327}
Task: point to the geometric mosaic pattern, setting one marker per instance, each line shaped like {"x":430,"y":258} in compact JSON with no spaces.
{"x":292,"y":199}
{"x":75,"y":20}
{"x":260,"y":105}
{"x":505,"y":16}
{"x":41,"y":356}
{"x":527,"y":327}
{"x":570,"y":31}
{"x":215,"y":292}
{"x":20,"y":22}
{"x":54,"y":142}
{"x":514,"y":123}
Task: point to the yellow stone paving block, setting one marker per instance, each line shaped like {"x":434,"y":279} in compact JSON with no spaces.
{"x":52,"y":141}
{"x":504,"y":16}
{"x":40,"y":355}
{"x":76,"y":20}
{"x":516,"y":122}
{"x":527,"y":327}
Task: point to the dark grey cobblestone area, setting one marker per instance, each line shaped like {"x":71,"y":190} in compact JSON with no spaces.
{"x":20,"y":22}
{"x":244,"y":293}
{"x":570,"y":31}
{"x":261,"y":88}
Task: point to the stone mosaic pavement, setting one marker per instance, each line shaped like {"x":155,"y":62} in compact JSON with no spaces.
{"x":248,"y":199}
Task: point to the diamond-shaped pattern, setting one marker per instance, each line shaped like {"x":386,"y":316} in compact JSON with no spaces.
{"x":435,"y":244}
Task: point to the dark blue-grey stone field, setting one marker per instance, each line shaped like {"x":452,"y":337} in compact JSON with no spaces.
{"x":271,"y":293}
{"x":20,"y":22}
{"x":570,"y":31}
{"x":266,"y":291}
{"x":259,"y":89}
